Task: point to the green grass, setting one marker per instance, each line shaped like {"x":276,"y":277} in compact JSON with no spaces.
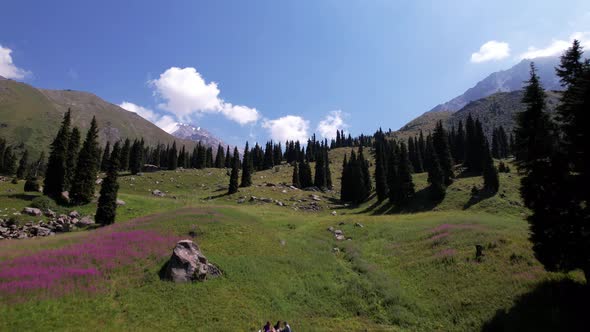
{"x":400,"y":272}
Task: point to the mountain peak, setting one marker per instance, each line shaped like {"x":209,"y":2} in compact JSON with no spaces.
{"x":508,"y":80}
{"x":196,"y":134}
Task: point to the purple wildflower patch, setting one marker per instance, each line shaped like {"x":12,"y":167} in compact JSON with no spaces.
{"x":80,"y":266}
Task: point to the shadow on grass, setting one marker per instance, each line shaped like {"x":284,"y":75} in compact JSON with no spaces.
{"x":421,"y":202}
{"x":551,"y":306}
{"x":26,"y":197}
{"x":480,"y":196}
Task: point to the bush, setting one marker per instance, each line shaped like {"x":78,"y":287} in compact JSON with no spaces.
{"x":14,"y":181}
{"x":43,"y":203}
{"x":32,"y":185}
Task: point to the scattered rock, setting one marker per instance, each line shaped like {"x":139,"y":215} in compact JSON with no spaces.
{"x":65,"y":196}
{"x":49,"y":213}
{"x":241,"y":200}
{"x":283,"y":242}
{"x":340,"y":237}
{"x":189,"y":264}
{"x":85,"y":221}
{"x":358,"y":224}
{"x":158,"y":193}
{"x":98,"y":181}
{"x":315,"y":197}
{"x":120,"y":202}
{"x":334,"y":213}
{"x":148,"y":168}
{"x":74,"y":214}
{"x":331,"y":229}
{"x":32,"y":211}
{"x":293,"y":187}
{"x":336,"y":250}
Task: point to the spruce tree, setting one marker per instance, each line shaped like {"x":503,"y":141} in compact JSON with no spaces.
{"x":491,"y":182}
{"x":247,"y":167}
{"x":72,"y":157}
{"x":55,"y":173}
{"x":295,"y":178}
{"x":380,"y":175}
{"x":220,"y":157}
{"x":364,"y":165}
{"x":124,"y":163}
{"x":320,"y":172}
{"x":106,"y":210}
{"x":23,"y":164}
{"x":344,"y":181}
{"x":173,"y":157}
{"x":305,"y":176}
{"x":437,"y":189}
{"x":443,"y":152}
{"x":404,"y":185}
{"x":328,"y":172}
{"x":392,"y":165}
{"x":82,"y":190}
{"x":233,"y":179}
{"x":9,"y":161}
{"x":106,"y":155}
{"x":135,"y":157}
{"x":460,"y":144}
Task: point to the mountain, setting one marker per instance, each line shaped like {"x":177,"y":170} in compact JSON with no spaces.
{"x":30,"y":117}
{"x":504,"y":81}
{"x":196,"y":134}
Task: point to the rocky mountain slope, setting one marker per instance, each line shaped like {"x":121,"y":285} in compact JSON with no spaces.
{"x":500,"y":108}
{"x":30,"y":117}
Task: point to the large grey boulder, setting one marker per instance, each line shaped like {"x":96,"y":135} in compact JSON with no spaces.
{"x":32,"y":211}
{"x":189,"y":264}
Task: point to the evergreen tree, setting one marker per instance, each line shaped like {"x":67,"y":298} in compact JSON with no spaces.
{"x":404,"y":186}
{"x":83,"y":184}
{"x":364,"y":165}
{"x":39,"y":166}
{"x":135,"y":157}
{"x":460,"y":144}
{"x":491,"y":182}
{"x":328,"y":172}
{"x":392,"y":166}
{"x":247,"y":167}
{"x":437,"y":188}
{"x":124,"y":163}
{"x":359,"y":188}
{"x":380,"y":173}
{"x":233,"y":180}
{"x":55,"y":173}
{"x":72,"y":157}
{"x":320,"y":172}
{"x":173,"y":157}
{"x":305,"y":176}
{"x":295,"y":178}
{"x":106,"y":155}
{"x":344,"y":185}
{"x":23,"y":164}
{"x":9,"y":161}
{"x":443,"y":152}
{"x":220,"y":157}
{"x":227,"y":158}
{"x":106,"y":210}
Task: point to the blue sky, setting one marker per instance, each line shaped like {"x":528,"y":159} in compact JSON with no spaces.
{"x":281,"y":69}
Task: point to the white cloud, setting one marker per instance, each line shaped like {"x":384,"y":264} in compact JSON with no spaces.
{"x":166,"y":122}
{"x":330,"y":124}
{"x":556,"y":47}
{"x":187,"y":94}
{"x":492,"y":50}
{"x":290,"y":127}
{"x":7,"y":67}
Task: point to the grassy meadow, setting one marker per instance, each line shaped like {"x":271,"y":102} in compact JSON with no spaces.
{"x":412,"y":270}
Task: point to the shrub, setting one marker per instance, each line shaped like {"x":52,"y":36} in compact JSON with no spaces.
{"x":32,"y":185}
{"x":14,"y":181}
{"x":43,"y":203}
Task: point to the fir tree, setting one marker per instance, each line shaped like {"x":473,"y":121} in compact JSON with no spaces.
{"x":295,"y":177}
{"x":173,"y":157}
{"x":135,"y":157}
{"x":491,"y":182}
{"x":380,"y":173}
{"x":344,"y":186}
{"x":443,"y":152}
{"x":328,"y":172}
{"x":124,"y":163}
{"x":233,"y":179}
{"x":23,"y":164}
{"x":247,"y":167}
{"x":72,"y":157}
{"x":9,"y":161}
{"x":364,"y":165}
{"x":320,"y":172}
{"x":220,"y":157}
{"x":437,"y":189}
{"x":106,"y":210}
{"x":392,"y":165}
{"x":55,"y":172}
{"x":404,"y":186}
{"x":106,"y":154}
{"x":83,"y":184}
{"x":227,"y":158}
{"x":460,"y":143}
{"x":305,"y":176}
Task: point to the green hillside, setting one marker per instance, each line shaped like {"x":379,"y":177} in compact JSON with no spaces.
{"x":400,"y":271}
{"x":29,"y":117}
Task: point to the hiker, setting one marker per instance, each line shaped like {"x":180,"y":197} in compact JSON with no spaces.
{"x":286,"y":327}
{"x":267,"y":327}
{"x":278,"y":326}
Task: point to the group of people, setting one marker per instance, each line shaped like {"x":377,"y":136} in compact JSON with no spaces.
{"x":279,"y":327}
